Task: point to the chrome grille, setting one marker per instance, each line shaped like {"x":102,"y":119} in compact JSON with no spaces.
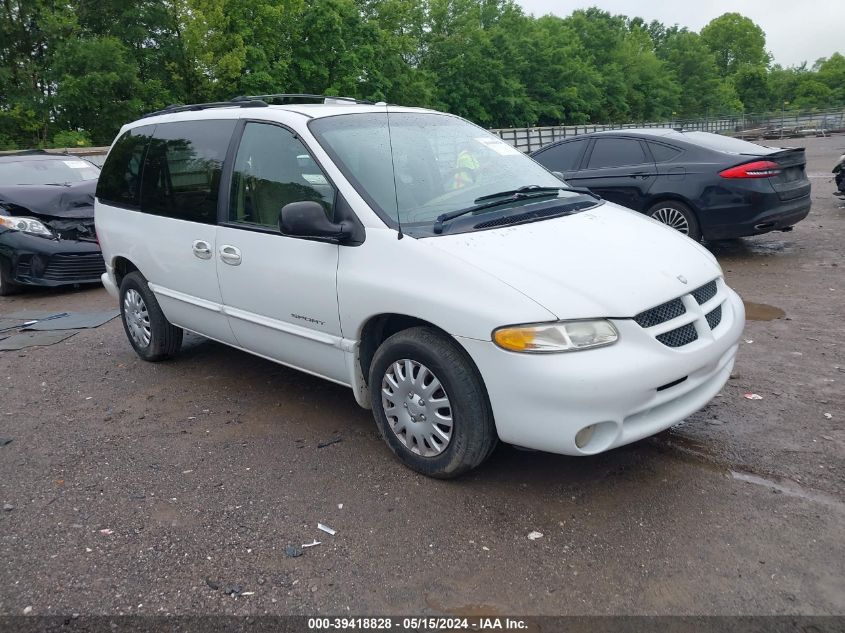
{"x":660,"y":314}
{"x":714,"y":317}
{"x":678,"y":338}
{"x":705,"y":293}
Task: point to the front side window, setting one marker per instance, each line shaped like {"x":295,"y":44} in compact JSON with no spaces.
{"x":616,"y":152}
{"x":120,"y":180}
{"x":562,"y":157}
{"x":413,"y":167}
{"x":181,"y":176}
{"x":272,"y":169}
{"x":47,"y":171}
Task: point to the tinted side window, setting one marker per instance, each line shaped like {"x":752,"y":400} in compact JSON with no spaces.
{"x":616,"y":152}
{"x":120,"y":180}
{"x":662,"y":153}
{"x":273,"y":168}
{"x":563,"y":157}
{"x":182,"y":170}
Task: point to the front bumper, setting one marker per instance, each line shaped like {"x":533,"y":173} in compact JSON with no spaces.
{"x":541,"y":401}
{"x":38,"y":261}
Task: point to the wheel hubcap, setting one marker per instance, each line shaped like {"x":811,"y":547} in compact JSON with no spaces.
{"x":672,"y":217}
{"x":417,"y":407}
{"x":136,"y":317}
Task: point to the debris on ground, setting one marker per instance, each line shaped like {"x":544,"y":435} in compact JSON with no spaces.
{"x":212,"y":584}
{"x":5,"y":440}
{"x":32,"y":339}
{"x":8,"y":507}
{"x":752,"y":396}
{"x":233,"y":590}
{"x":326,"y":529}
{"x":292,"y":552}
{"x":74,"y":321}
{"x":533,"y":536}
{"x":829,"y":416}
{"x":106,"y":532}
{"x":329,"y":442}
{"x":27,"y":610}
{"x":313,"y":544}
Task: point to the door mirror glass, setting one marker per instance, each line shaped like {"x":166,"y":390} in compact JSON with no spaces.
{"x":308,"y":220}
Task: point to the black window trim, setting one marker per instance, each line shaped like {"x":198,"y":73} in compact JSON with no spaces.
{"x":223,"y":200}
{"x":585,"y":161}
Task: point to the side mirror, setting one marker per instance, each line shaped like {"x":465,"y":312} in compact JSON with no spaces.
{"x":559,"y":175}
{"x":307,"y":219}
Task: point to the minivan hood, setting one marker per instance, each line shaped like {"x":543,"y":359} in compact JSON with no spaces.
{"x":603,"y":262}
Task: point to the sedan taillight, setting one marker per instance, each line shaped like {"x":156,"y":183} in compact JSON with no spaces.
{"x":757,"y":169}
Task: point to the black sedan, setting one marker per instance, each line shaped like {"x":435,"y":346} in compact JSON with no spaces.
{"x":704,"y":185}
{"x":47,"y":221}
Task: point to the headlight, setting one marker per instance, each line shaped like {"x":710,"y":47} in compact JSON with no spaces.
{"x":563,"y":336}
{"x":27,"y":225}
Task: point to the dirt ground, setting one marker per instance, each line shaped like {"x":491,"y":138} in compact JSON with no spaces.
{"x":204,"y":469}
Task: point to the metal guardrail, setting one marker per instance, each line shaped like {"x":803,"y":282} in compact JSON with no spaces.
{"x":750,"y":126}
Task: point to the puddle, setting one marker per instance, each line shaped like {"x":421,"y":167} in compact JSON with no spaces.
{"x":747,"y":247}
{"x":790,"y":489}
{"x":467,"y":610}
{"x":762,"y":312}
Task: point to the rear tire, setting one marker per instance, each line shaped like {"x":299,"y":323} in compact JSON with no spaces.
{"x":7,"y":286}
{"x":430,"y":403}
{"x":152,"y":336}
{"x":678,"y":216}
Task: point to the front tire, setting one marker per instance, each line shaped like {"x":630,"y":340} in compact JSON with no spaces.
{"x":678,"y":216}
{"x":152,"y":336}
{"x":430,"y":403}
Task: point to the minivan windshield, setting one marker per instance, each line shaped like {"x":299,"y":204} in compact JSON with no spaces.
{"x":442,"y":164}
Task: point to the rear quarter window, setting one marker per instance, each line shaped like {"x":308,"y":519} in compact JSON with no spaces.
{"x":663,"y":153}
{"x":120,"y":179}
{"x":184,"y":161}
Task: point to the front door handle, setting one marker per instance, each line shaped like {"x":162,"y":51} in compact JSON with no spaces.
{"x":202,"y":249}
{"x":230,"y":254}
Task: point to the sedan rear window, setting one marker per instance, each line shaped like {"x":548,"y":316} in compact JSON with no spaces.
{"x":49,"y":171}
{"x":724,"y":143}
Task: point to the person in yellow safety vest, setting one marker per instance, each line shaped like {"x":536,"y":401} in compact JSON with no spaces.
{"x":465,"y":167}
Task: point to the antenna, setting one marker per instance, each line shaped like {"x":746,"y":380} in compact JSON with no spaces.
{"x":400,"y":235}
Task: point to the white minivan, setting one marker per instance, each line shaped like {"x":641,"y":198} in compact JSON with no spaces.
{"x":462,"y":291}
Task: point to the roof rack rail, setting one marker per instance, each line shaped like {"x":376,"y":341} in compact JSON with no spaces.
{"x":281,"y":96}
{"x":247,"y":102}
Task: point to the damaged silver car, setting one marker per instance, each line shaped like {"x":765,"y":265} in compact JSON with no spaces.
{"x":47,"y":233}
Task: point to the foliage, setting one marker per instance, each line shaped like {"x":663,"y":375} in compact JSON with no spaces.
{"x":75,"y":71}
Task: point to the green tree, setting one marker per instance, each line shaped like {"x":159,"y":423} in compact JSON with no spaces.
{"x":702,"y":90}
{"x":97,"y":87}
{"x":736,"y":41}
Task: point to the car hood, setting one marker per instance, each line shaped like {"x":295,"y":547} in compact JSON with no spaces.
{"x":604,"y":262}
{"x":75,"y":200}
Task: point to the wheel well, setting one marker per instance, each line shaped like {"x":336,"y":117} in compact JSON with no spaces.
{"x":378,"y":329}
{"x":122,"y":267}
{"x":671,"y":197}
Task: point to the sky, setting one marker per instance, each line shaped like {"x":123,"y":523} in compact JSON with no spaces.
{"x":795,"y":31}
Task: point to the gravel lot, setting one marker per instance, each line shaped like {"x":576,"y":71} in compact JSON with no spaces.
{"x":140,"y":488}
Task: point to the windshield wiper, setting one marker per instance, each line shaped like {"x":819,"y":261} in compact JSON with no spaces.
{"x":523,"y":193}
{"x":534,"y":189}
